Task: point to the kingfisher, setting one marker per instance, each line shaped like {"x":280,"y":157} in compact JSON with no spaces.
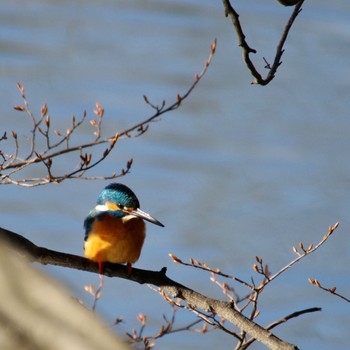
{"x":115,"y":229}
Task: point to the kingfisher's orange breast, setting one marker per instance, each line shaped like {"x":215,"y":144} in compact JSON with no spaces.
{"x":115,"y":240}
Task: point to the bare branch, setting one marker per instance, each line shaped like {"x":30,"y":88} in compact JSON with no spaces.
{"x":293,"y":315}
{"x":329,"y":290}
{"x":203,"y":266}
{"x":160,"y":110}
{"x":247,"y":50}
{"x":137,"y":336}
{"x":195,"y":300}
{"x":300,"y":255}
{"x":10,"y":165}
{"x":283,"y":320}
{"x":262,"y":269}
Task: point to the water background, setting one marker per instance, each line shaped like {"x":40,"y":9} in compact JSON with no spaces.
{"x":237,"y":171}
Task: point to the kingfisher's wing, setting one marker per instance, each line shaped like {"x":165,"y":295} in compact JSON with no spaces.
{"x":89,"y":220}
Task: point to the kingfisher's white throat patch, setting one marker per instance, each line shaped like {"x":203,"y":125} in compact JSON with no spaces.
{"x":101,"y":207}
{"x":128,"y":217}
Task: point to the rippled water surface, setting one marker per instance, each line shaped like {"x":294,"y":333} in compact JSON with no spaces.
{"x":238,"y":171}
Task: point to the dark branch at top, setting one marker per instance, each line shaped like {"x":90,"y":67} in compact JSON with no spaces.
{"x":247,"y":50}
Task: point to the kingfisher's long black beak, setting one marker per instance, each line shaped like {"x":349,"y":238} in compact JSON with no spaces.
{"x":143,"y":215}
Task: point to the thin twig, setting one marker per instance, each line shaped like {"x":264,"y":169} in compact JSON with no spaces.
{"x":203,"y":266}
{"x":305,"y":252}
{"x":247,"y":50}
{"x":11,"y":165}
{"x":329,"y":290}
{"x":279,"y":322}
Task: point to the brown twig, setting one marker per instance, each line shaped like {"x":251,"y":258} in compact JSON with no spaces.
{"x":263,"y":270}
{"x":203,"y":266}
{"x":137,"y":336}
{"x":247,"y":50}
{"x":160,"y":110}
{"x":96,"y":294}
{"x":329,"y":290}
{"x":300,"y":255}
{"x":208,"y":317}
{"x":12,"y":164}
{"x":282,"y":320}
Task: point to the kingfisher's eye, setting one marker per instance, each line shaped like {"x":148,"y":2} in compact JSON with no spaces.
{"x":121,"y":206}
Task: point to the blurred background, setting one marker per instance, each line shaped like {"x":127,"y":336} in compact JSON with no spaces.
{"x":238,"y":171}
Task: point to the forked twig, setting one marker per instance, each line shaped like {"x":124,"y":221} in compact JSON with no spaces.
{"x":300,"y":255}
{"x":247,"y":50}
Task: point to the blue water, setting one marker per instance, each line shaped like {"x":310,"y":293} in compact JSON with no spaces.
{"x":237,"y":171}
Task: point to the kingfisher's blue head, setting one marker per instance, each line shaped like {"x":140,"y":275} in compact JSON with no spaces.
{"x":119,"y":200}
{"x":118,"y":194}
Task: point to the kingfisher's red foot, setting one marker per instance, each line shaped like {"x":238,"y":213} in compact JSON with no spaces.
{"x":100,"y":267}
{"x":129,"y":268}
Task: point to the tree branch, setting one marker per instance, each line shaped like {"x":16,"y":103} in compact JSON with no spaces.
{"x":282,"y":320}
{"x":11,"y":164}
{"x":247,"y":50}
{"x":331,"y":290}
{"x":223,"y":309}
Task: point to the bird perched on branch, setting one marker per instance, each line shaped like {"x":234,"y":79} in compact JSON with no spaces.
{"x":115,"y":229}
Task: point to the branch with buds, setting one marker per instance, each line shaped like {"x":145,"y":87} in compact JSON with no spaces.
{"x":208,"y":309}
{"x":331,"y":290}
{"x":218,"y":314}
{"x":168,"y":327}
{"x":46,"y":145}
{"x":248,"y":304}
